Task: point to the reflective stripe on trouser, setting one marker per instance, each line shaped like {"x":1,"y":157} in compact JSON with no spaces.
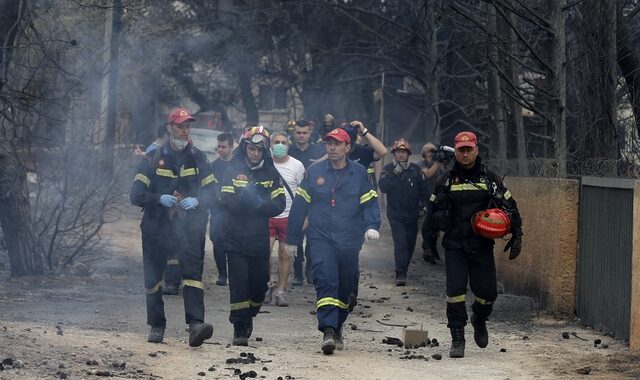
{"x":404,"y":234}
{"x":172,"y":273}
{"x":154,"y":261}
{"x":248,"y":278}
{"x":479,"y":270}
{"x":334,"y":274}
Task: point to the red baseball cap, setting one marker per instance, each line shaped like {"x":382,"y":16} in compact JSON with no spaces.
{"x":465,"y":139}
{"x":180,"y":115}
{"x":338,"y":134}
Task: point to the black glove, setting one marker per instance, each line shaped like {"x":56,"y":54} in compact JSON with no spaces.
{"x":515,"y":245}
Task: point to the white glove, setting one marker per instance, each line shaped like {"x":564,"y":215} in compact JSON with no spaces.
{"x":371,"y":234}
{"x":291,"y":251}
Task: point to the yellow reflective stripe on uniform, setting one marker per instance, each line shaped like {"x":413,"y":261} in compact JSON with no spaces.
{"x":228,"y":189}
{"x":254,"y":304}
{"x":239,"y":183}
{"x":173,"y":262}
{"x":265,"y":183}
{"x":239,"y":305}
{"x":193,"y":284}
{"x":433,"y":198}
{"x":142,"y":178}
{"x":483,"y":301}
{"x":371,"y":170}
{"x":207,"y":180}
{"x":369,"y":195}
{"x":165,"y":173}
{"x":276,"y":192}
{"x":456,"y":299}
{"x":155,"y":288}
{"x":469,"y":186}
{"x":303,"y":193}
{"x":507,"y":194}
{"x":188,"y":172}
{"x":328,"y":301}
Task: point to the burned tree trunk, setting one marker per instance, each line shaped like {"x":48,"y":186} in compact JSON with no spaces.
{"x":557,"y":85}
{"x":16,"y":220}
{"x":628,"y":61}
{"x":495,"y":91}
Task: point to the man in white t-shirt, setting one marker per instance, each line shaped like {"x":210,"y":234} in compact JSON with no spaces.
{"x":292,"y":171}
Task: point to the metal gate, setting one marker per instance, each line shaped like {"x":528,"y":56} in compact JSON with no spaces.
{"x":604,"y":256}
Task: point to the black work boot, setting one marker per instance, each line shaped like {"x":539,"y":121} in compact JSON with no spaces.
{"x":457,"y":342}
{"x":329,"y":341}
{"x":199,"y":332}
{"x":222,"y":279}
{"x":480,"y":333}
{"x":170,"y":289}
{"x":401,"y":279}
{"x":240,"y":335}
{"x":428,"y":256}
{"x":339,"y":340}
{"x":156,"y":335}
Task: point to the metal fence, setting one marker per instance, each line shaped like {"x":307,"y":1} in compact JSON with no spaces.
{"x":604,"y":255}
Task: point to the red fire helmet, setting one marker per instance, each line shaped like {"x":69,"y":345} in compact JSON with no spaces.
{"x":491,"y":224}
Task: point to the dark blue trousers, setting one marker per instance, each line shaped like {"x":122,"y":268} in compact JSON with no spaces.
{"x":335,"y":272}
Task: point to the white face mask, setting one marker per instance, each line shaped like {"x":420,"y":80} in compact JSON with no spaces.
{"x":179,"y":144}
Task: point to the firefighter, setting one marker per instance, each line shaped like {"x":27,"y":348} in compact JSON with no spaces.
{"x":174,"y":186}
{"x":406,"y":190}
{"x":251,"y":193}
{"x":468,"y":188}
{"x":343,"y":210}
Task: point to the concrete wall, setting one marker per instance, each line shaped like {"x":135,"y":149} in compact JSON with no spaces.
{"x":546,"y":268}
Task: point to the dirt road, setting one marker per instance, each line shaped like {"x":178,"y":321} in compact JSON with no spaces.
{"x":93,"y":325}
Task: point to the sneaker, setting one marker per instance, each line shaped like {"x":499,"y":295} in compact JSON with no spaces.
{"x":199,"y":332}
{"x":339,"y":340}
{"x":156,"y":335}
{"x":281,"y":299}
{"x":401,"y":279}
{"x":222,"y":280}
{"x":297,"y":281}
{"x":239,"y":335}
{"x":268,"y":296}
{"x":170,"y":289}
{"x":329,"y":341}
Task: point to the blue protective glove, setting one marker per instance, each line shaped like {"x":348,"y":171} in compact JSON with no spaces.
{"x":251,"y":196}
{"x":189,"y":203}
{"x":168,"y":200}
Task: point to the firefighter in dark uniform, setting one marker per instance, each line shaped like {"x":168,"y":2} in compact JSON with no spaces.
{"x":406,"y":190}
{"x":252,"y":192}
{"x":343,"y":209}
{"x":174,"y":186}
{"x":468,"y":188}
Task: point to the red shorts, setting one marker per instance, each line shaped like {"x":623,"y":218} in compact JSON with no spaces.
{"x":278,"y":228}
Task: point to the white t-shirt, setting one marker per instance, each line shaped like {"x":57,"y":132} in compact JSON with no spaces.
{"x":293,"y":172}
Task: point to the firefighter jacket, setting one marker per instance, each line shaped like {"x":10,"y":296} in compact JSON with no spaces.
{"x":458,"y":195}
{"x":406,"y":192}
{"x":341,"y":205}
{"x":249,"y":197}
{"x":166,"y":171}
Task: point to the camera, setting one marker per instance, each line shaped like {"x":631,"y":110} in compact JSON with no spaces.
{"x":443,"y":154}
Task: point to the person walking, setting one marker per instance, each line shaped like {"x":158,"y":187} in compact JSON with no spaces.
{"x":432,"y":170}
{"x":251,"y":193}
{"x":174,"y":187}
{"x":406,"y":190}
{"x":306,"y":151}
{"x":341,"y":204}
{"x":461,"y":205}
{"x":216,"y":228}
{"x":292,"y":171}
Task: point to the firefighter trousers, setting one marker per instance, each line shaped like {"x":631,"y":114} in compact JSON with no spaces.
{"x":187,"y":244}
{"x":220,"y":257}
{"x":478,"y":269}
{"x":334,"y":273}
{"x":298,"y":263}
{"x":404,"y":234}
{"x":248,"y":278}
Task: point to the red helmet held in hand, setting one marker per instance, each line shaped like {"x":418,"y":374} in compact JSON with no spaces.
{"x":491,"y":224}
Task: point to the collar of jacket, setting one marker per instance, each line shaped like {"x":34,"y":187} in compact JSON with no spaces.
{"x":478,"y":167}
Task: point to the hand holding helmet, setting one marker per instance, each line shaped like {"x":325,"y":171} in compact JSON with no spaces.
{"x":515,"y":246}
